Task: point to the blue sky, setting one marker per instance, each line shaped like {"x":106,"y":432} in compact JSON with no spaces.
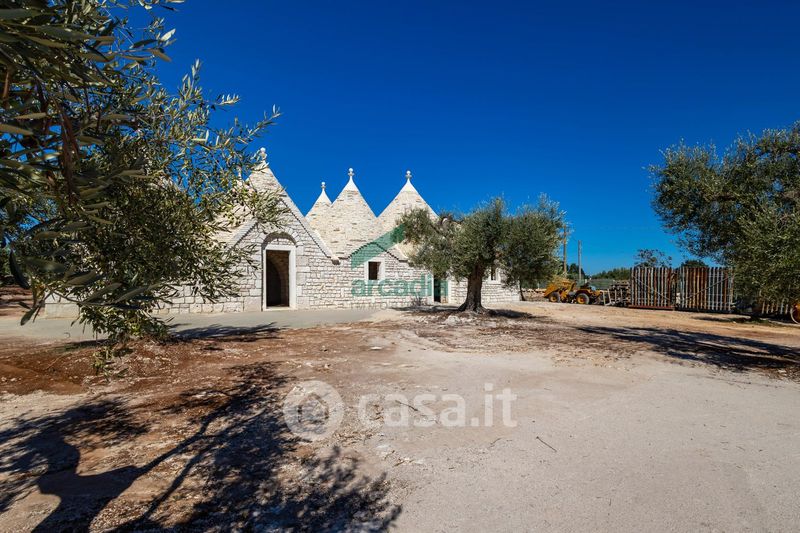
{"x":480,"y":99}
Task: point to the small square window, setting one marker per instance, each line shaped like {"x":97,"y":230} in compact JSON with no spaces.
{"x":374,"y":270}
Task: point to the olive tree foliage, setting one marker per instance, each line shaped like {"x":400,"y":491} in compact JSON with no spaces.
{"x":529,"y":253}
{"x":112,"y":189}
{"x":693,"y":263}
{"x":522,"y":244}
{"x":741,"y":209}
{"x":647,"y":257}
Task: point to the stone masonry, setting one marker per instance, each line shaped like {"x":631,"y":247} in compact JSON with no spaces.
{"x":318,"y":268}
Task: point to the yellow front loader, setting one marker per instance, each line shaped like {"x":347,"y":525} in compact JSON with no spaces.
{"x":567,"y":291}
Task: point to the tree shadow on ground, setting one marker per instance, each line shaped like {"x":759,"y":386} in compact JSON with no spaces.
{"x":221,"y":331}
{"x":731,"y":353}
{"x":773,"y":321}
{"x":447,"y":310}
{"x":217,"y":332}
{"x":40,"y":452}
{"x":230,"y":463}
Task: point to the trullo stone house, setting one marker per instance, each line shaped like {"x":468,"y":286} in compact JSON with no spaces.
{"x":333,"y":257}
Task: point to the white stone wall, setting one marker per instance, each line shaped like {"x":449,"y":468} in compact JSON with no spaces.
{"x":401,"y":285}
{"x":57,"y":307}
{"x":492,"y":292}
{"x":320,"y":282}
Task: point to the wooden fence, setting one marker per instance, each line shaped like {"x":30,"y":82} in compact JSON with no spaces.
{"x":652,"y":288}
{"x":705,"y":289}
{"x":767,"y":308}
{"x":685,"y":288}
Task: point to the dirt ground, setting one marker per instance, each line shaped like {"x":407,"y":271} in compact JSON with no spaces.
{"x":622,"y":419}
{"x":11,"y":297}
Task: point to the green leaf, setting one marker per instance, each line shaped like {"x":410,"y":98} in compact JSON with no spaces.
{"x":46,"y":42}
{"x":160,"y":54}
{"x":84,"y":279}
{"x":131,"y":294}
{"x":103,"y":291}
{"x":144,"y":42}
{"x":46,"y":265}
{"x":75,"y":226}
{"x":30,"y":116}
{"x":28,"y":315}
{"x":64,"y":33}
{"x":16,"y":271}
{"x":116,"y":116}
{"x":42,"y":235}
{"x":14,"y":14}
{"x":14,"y":130}
{"x":100,"y":220}
{"x":86,"y":140}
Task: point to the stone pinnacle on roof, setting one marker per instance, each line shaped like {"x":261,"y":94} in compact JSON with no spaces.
{"x":318,"y":215}
{"x":323,"y":196}
{"x":262,"y":177}
{"x":408,"y":187}
{"x":351,"y":185}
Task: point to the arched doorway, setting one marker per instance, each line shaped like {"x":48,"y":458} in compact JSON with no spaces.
{"x":277,"y":266}
{"x":278,"y":260}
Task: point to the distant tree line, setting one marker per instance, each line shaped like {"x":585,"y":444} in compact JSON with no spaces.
{"x":644,"y":258}
{"x":618,"y":273}
{"x":572,"y":272}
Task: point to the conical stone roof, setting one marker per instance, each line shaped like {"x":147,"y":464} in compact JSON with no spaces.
{"x":318,"y":214}
{"x":263,"y":179}
{"x":349,"y":223}
{"x":407,"y":199}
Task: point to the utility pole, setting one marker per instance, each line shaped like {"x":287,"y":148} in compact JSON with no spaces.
{"x":565,"y":252}
{"x":580,"y":270}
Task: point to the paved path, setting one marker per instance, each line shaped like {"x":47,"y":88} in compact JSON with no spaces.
{"x":192,"y":324}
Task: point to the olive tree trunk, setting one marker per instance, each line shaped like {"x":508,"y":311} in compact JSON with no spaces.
{"x":474,"y":286}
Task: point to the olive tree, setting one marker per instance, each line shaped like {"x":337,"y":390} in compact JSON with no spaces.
{"x":113,"y":189}
{"x":523,"y":244}
{"x":741,"y":209}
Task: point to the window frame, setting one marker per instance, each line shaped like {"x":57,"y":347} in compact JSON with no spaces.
{"x":381,"y":270}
